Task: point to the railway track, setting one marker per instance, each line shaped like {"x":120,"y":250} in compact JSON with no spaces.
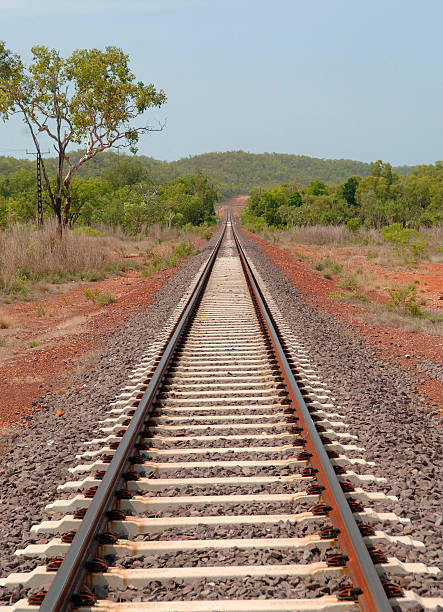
{"x":225,"y":480}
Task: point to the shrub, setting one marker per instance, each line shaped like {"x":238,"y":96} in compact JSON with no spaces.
{"x":334,"y":267}
{"x":99,"y":298}
{"x":184,"y":250}
{"x":405,"y":299}
{"x":104,"y":299}
{"x":89,"y":231}
{"x":405,"y":239}
{"x":358,"y":295}
{"x":353,"y":224}
{"x":348,"y":283}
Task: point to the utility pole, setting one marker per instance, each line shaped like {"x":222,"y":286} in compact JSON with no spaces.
{"x":39,"y":185}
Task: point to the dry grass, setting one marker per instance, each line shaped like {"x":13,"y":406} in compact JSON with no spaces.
{"x":156,"y":234}
{"x":29,"y":258}
{"x":383,"y":316}
{"x":27,"y":255}
{"x":336,"y":251}
{"x":317,"y":234}
{"x":341,"y":235}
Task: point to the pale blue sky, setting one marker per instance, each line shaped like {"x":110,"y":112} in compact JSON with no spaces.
{"x":359,"y":79}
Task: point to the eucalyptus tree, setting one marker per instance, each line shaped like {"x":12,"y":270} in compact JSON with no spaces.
{"x":90,"y":98}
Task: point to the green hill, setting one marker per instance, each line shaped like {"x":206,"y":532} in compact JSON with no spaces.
{"x":233,"y":171}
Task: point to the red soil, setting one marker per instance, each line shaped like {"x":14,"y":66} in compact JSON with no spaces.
{"x":403,"y":347}
{"x":70,"y":331}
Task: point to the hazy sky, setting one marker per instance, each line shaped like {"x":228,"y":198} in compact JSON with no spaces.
{"x":358,"y":79}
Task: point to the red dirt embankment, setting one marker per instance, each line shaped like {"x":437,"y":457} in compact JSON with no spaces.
{"x":407,"y":348}
{"x":48,"y":339}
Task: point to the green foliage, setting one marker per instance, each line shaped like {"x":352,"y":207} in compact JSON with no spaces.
{"x":405,"y":299}
{"x":353,"y":223}
{"x":85,"y":229}
{"x":356,"y":295}
{"x":99,"y":298}
{"x":317,"y":188}
{"x":359,"y":296}
{"x":185,"y":250}
{"x":348,"y":283}
{"x":276,"y":205}
{"x":334,"y":267}
{"x":186,"y":200}
{"x":398,"y":235}
{"x":349,"y":188}
{"x":405,"y":239}
{"x":381,"y":199}
{"x":233,"y":171}
{"x":164,"y":262}
{"x":252,"y":222}
{"x":104,"y":299}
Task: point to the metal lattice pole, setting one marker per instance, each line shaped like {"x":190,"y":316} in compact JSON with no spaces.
{"x":38,"y":156}
{"x":39,"y":191}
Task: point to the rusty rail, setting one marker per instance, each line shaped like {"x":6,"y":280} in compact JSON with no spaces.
{"x":71,"y":572}
{"x":368,"y":588}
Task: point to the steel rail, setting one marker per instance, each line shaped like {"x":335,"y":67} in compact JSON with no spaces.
{"x":369,"y":588}
{"x":72,"y":570}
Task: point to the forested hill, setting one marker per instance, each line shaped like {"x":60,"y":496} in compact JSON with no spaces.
{"x":233,"y":171}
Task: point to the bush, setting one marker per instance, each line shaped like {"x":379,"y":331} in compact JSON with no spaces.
{"x":405,"y":239}
{"x":99,"y":298}
{"x":405,"y":299}
{"x":348,"y":283}
{"x":165,"y":261}
{"x":184,"y":250}
{"x":334,"y":267}
{"x":353,"y":224}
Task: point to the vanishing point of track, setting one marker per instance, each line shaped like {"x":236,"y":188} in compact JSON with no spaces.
{"x":224,"y":430}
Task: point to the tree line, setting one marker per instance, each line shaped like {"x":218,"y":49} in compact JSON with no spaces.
{"x":382,"y":198}
{"x":233,"y":172}
{"x":127,"y":198}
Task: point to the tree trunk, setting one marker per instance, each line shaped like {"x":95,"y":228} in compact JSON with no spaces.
{"x":58,"y":215}
{"x":67,"y":208}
